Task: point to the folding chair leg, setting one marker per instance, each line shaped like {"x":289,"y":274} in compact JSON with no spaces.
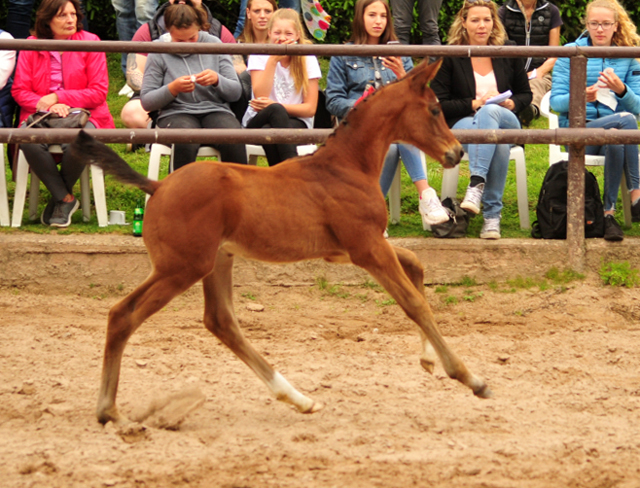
{"x":522,"y":193}
{"x":626,"y":201}
{"x":22,"y":176}
{"x":85,"y":195}
{"x":450,"y":182}
{"x":394,"y":197}
{"x":99,"y":195}
{"x":4,"y":198}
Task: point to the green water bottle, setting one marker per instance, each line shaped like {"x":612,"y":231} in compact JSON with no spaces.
{"x":138,"y":216}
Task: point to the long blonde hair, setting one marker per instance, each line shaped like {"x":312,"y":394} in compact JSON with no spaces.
{"x":626,"y":35}
{"x":458,"y":34}
{"x":298,"y":66}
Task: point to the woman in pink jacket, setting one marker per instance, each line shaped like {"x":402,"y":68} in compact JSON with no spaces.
{"x":57,"y":81}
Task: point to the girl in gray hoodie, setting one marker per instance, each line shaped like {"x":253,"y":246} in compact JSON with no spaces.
{"x":192,"y":91}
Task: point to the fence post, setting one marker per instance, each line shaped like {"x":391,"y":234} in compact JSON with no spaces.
{"x":575,"y":190}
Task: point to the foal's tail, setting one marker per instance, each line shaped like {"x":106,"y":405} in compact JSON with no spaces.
{"x":86,"y":149}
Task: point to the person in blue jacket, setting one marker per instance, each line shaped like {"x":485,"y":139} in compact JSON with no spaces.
{"x":613,"y":102}
{"x":350,"y":77}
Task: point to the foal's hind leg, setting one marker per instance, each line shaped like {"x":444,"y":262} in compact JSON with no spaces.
{"x":379,"y":259}
{"x":220,"y":319}
{"x":413,"y":269}
{"x":124,"y":318}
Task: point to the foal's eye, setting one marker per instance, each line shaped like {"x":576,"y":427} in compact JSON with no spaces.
{"x":435,"y":111}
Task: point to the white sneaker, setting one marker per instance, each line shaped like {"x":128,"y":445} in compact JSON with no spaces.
{"x":490,"y":229}
{"x":473,"y":198}
{"x":386,"y":234}
{"x":126,"y":91}
{"x":431,"y":208}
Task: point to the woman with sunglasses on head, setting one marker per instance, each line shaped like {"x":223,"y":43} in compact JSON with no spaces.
{"x":351,"y":76}
{"x":613,"y":101}
{"x":465,"y":87}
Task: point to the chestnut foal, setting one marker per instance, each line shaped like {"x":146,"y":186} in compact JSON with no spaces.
{"x":327,"y":205}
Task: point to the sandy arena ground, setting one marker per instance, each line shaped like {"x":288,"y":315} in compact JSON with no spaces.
{"x":564,"y":365}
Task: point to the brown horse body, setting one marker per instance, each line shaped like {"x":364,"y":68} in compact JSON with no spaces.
{"x":327,"y":205}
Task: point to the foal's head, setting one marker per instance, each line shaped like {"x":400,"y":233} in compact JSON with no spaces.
{"x":420,"y":121}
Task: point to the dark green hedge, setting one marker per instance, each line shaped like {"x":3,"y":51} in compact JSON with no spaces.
{"x":101,"y":16}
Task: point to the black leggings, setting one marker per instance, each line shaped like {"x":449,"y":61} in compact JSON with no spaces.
{"x":276,"y":116}
{"x":186,"y":153}
{"x":58,"y":182}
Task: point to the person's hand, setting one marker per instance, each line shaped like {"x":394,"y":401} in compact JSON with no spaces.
{"x":479,"y":102}
{"x":46,"y":102}
{"x":279,"y":57}
{"x":60,"y":108}
{"x":260,"y":103}
{"x":207,"y":78}
{"x":609,"y":79}
{"x":592,"y":92}
{"x":394,"y":63}
{"x":183,"y":84}
{"x":508,"y":104}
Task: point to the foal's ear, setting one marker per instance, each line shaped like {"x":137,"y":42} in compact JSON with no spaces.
{"x":423,"y":74}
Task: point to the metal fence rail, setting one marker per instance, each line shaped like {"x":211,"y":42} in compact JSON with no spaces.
{"x":576,"y":136}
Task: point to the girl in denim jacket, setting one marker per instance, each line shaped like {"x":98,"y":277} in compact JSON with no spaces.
{"x":351,"y":76}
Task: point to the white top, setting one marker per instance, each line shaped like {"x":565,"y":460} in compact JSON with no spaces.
{"x":7,"y":62}
{"x":283,"y":90}
{"x":485,"y":84}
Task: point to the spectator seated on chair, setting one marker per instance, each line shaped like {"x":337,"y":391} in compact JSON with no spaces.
{"x":613,"y":102}
{"x":463,"y":86}
{"x":533,"y":23}
{"x":132,"y":114}
{"x":285,"y":88}
{"x":7,"y":64}
{"x":192,"y":91}
{"x":351,"y":76}
{"x":56,"y":81}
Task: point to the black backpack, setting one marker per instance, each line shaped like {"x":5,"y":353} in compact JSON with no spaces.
{"x":552,"y":205}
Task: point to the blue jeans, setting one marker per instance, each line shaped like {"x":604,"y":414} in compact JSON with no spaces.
{"x":242,"y":15}
{"x":410,"y":157}
{"x":617,"y":157}
{"x":427,"y":18}
{"x":490,"y":161}
{"x":130,"y":15}
{"x":19,"y":18}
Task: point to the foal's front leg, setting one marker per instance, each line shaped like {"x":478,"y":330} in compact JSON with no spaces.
{"x":379,"y":259}
{"x":414,"y":271}
{"x":220,"y":319}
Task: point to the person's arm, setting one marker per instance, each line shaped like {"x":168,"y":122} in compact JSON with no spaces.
{"x":228,"y":85}
{"x":559,"y":99}
{"x":445,"y":86}
{"x":337,"y":91}
{"x":97,"y":75}
{"x":262,"y":80}
{"x":309,"y":103}
{"x":520,"y":86}
{"x":135,"y":70}
{"x":630,"y":99}
{"x":154,"y":94}
{"x":547,"y":66}
{"x":23,"y":88}
{"x":7,"y":62}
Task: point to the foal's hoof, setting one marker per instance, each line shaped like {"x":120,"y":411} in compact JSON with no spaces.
{"x":483,"y":392}
{"x":427,"y":365}
{"x":314,"y":408}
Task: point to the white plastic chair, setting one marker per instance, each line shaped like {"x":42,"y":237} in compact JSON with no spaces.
{"x":4,"y":198}
{"x":556,"y":154}
{"x":22,"y":174}
{"x":394,"y":193}
{"x":254,"y":151}
{"x":450,"y":183}
{"x":159,"y":150}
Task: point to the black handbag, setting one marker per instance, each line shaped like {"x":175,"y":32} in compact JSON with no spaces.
{"x":457,"y":224}
{"x":77,"y":119}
